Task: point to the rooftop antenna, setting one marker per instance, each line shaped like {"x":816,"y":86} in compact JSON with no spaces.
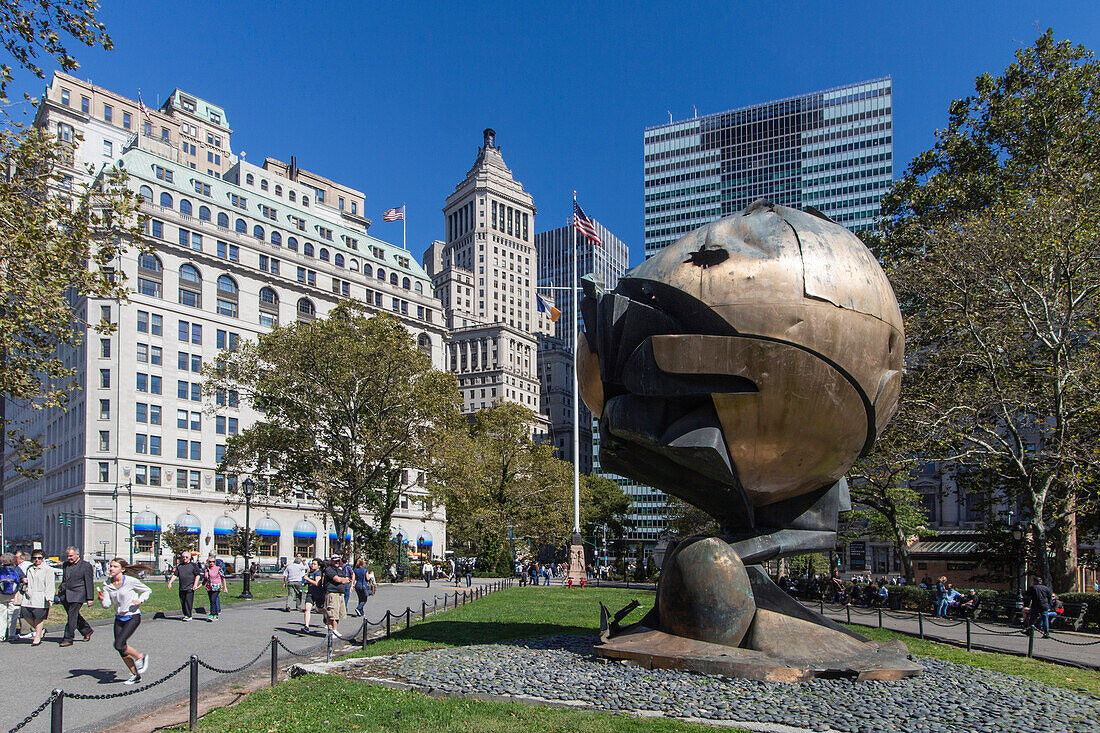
{"x":696,"y":109}
{"x":669,"y":116}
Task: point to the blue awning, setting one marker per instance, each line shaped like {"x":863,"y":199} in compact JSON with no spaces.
{"x":267,"y":528}
{"x":332,"y":535}
{"x":189,"y":523}
{"x":305,"y":530}
{"x":146,"y":522}
{"x":424,"y":539}
{"x":224,"y":526}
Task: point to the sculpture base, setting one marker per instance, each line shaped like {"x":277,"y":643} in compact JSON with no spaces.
{"x":577,"y":572}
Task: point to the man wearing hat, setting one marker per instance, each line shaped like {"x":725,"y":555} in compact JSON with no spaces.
{"x":335,"y":610}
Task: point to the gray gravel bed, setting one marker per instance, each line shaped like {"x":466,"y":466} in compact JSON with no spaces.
{"x":947,"y":698}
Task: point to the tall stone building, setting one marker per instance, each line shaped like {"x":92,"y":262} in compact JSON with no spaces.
{"x":234,"y":249}
{"x":484,"y":273}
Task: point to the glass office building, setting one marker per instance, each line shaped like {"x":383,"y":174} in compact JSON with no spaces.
{"x":832,"y":150}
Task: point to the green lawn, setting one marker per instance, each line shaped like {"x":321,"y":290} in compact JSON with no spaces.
{"x":163,"y":599}
{"x":305,"y":703}
{"x":1058,"y":675}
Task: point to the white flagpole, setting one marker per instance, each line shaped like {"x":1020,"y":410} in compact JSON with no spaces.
{"x":576,"y":391}
{"x":404,"y":220}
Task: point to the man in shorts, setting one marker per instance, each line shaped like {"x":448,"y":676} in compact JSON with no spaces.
{"x":335,"y":610}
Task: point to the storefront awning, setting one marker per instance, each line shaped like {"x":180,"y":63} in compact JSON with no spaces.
{"x":305,"y":530}
{"x":189,"y":523}
{"x":267,"y":528}
{"x":224,"y":526}
{"x":146,"y":522}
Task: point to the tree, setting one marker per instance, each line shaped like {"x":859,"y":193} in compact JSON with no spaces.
{"x":497,"y":478}
{"x":244,"y":543}
{"x":350,"y":405}
{"x":179,"y":539}
{"x":991,"y":246}
{"x":687,"y":520}
{"x":604,"y":506}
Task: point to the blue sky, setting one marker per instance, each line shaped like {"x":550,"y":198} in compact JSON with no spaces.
{"x":391,"y":99}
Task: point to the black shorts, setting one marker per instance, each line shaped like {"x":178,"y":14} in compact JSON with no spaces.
{"x":124,"y":630}
{"x":34,"y":615}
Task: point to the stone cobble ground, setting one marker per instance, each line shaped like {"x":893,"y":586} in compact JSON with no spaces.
{"x":947,"y":698}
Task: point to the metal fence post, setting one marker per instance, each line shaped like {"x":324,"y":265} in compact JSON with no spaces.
{"x":920,"y":624}
{"x":193,"y":698}
{"x":408,"y":617}
{"x":968,"y":634}
{"x":1030,"y":640}
{"x":821,"y":606}
{"x":387,"y":624}
{"x":880,"y":617}
{"x":364,"y":632}
{"x":57,"y":712}
{"x":328,"y":645}
{"x":423,"y":610}
{"x":848,"y":609}
{"x":274,"y":660}
{"x":444,"y":600}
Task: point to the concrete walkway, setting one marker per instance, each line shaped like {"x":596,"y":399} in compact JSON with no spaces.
{"x":242,"y":631}
{"x":1064,"y":647}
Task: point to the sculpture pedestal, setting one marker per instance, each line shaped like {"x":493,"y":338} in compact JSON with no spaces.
{"x":578,"y":571}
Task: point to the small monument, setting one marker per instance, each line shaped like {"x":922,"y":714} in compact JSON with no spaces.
{"x":578,"y":571}
{"x":744,"y":369}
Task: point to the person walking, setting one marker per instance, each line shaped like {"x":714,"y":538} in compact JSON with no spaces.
{"x":468,"y":569}
{"x":189,"y":575}
{"x":40,"y":589}
{"x":126,"y":594}
{"x":348,"y":572}
{"x":76,"y":591}
{"x":294,"y":582}
{"x":426,"y":572}
{"x":362,"y":585}
{"x":941,"y":597}
{"x":215,"y":583}
{"x":335,"y":582}
{"x":11,"y":595}
{"x":315,"y":590}
{"x":1041,"y":601}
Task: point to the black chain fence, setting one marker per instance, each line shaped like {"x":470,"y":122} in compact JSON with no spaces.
{"x":56,"y":699}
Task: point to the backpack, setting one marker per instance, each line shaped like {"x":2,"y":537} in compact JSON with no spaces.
{"x":9,"y":580}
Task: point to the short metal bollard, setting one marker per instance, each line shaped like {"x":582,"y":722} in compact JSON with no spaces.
{"x":193,"y":697}
{"x":968,"y":635}
{"x":387,"y":624}
{"x":1030,"y":641}
{"x":848,"y":609}
{"x":423,"y":610}
{"x":364,"y":642}
{"x":444,"y":600}
{"x":408,"y":617}
{"x":920,"y":624}
{"x":57,"y":712}
{"x":328,"y":645}
{"x":880,"y":617}
{"x":274,"y":660}
{"x":821,"y":607}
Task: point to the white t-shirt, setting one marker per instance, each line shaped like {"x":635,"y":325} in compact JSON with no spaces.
{"x":295,"y":572}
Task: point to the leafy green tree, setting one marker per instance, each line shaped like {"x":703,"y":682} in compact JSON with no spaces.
{"x":991,"y":247}
{"x":350,"y":405}
{"x":244,"y":543}
{"x":497,"y":477}
{"x":179,"y":539}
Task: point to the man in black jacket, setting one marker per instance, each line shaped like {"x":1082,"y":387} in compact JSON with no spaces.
{"x":75,"y":591}
{"x":1041,"y":601}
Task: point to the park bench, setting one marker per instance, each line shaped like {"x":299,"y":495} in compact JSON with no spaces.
{"x":1073,"y":617}
{"x":1004,"y":609}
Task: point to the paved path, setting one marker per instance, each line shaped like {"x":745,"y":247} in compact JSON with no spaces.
{"x":1082,"y":650}
{"x":237,"y":636}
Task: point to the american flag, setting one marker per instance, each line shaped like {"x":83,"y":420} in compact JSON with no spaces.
{"x":585,"y":225}
{"x":141,"y":106}
{"x":395,"y":214}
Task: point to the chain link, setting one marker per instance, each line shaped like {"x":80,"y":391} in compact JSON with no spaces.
{"x":1074,"y":643}
{"x":1010,"y":632}
{"x":947,"y":625}
{"x":136,"y":690}
{"x":242,"y":668}
{"x":304,"y":653}
{"x":32,"y":716}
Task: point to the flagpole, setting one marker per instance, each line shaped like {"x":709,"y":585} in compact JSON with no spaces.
{"x":404,"y":219}
{"x":576,"y":392}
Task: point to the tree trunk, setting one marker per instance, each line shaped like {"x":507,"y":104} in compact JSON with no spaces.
{"x":1065,"y":554}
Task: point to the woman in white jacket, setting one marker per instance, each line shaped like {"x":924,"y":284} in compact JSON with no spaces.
{"x":40,"y":591}
{"x":126,"y":594}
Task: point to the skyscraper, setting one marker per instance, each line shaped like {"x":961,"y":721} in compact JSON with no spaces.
{"x":832,"y":150}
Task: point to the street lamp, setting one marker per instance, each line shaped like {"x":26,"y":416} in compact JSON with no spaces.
{"x":1017,"y":538}
{"x":249,"y":486}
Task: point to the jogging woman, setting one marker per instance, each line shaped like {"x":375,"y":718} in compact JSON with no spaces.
{"x":215,"y":583}
{"x":126,"y":593}
{"x":315,"y":590}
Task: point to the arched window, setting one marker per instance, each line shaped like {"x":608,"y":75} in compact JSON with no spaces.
{"x":268,"y":296}
{"x":204,"y":213}
{"x":166,"y":200}
{"x":190,"y":286}
{"x":393,"y":279}
{"x":307,"y":250}
{"x":424,"y":342}
{"x":227,"y":285}
{"x":249,"y":179}
{"x":419,"y":287}
{"x":269,"y":307}
{"x":406,"y":283}
{"x":305,"y":201}
{"x":263,"y":184}
{"x":338,"y":260}
{"x":150,"y":262}
{"x":146,"y":194}
{"x":368,"y":270}
{"x":185,"y":207}
{"x":223,"y":220}
{"x":324,"y":254}
{"x":258,"y":232}
{"x":293,"y":196}
{"x":381,"y":274}
{"x":353,"y":264}
{"x":292,"y":243}
{"x":240,"y":226}
{"x":277,"y":239}
{"x":278,"y":190}
{"x":306,"y":311}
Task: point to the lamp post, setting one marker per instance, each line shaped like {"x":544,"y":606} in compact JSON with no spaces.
{"x":1017,"y":538}
{"x":249,"y":486}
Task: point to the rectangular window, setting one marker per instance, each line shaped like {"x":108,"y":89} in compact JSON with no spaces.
{"x":301,"y":274}
{"x":233,"y":398}
{"x":126,"y":121}
{"x":104,"y":472}
{"x":156,"y":324}
{"x":154,"y":414}
{"x":196,"y":420}
{"x":85,"y":105}
{"x":181,"y":419}
{"x":181,"y":449}
{"x":196,"y":391}
{"x":181,"y":389}
{"x":143,"y":322}
{"x":196,"y":451}
{"x":196,"y":362}
{"x":154,"y":384}
{"x":65,"y":97}
{"x":263,"y":263}
{"x":219,"y":454}
{"x":181,"y":361}
{"x":104,"y":378}
{"x":274,"y":266}
{"x":105,"y":348}
{"x":141,"y":443}
{"x":142,"y":382}
{"x":141,"y":474}
{"x":219,"y":339}
{"x":219,"y":424}
{"x":219,"y":396}
{"x":227,"y":308}
{"x":104,"y":409}
{"x":108,"y":149}
{"x":184,"y":330}
{"x":311,"y":277}
{"x":155,"y":355}
{"x":154,"y":471}
{"x":104,"y":440}
{"x":108,"y":113}
{"x":154,"y":446}
{"x":181,"y":476}
{"x":232,"y":426}
{"x":141,"y":412}
{"x":196,"y":333}
{"x":196,"y":477}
